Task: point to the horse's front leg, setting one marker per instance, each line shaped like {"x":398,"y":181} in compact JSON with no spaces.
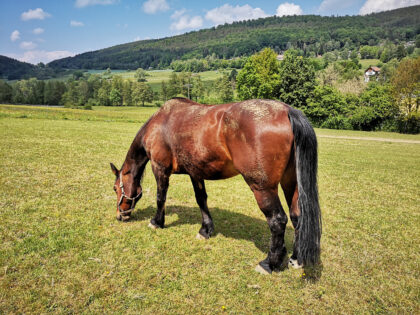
{"x":162,"y":183}
{"x":207,"y":226}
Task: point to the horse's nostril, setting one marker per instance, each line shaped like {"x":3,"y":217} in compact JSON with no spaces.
{"x":119,"y":217}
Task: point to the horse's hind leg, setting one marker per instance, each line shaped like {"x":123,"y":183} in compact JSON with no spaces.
{"x":269,"y":203}
{"x":207,"y":226}
{"x":162,"y":183}
{"x":290,"y":189}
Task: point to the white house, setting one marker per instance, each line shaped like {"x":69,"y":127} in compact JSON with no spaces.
{"x":372,"y":71}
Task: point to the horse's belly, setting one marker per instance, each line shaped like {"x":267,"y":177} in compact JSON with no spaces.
{"x":204,"y":168}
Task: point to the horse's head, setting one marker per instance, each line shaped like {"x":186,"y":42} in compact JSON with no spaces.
{"x":128,"y":189}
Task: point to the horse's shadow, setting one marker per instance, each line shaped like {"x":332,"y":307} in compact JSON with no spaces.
{"x":228,"y":223}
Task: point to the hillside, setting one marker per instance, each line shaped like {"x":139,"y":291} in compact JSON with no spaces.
{"x":12,"y":69}
{"x":310,"y":33}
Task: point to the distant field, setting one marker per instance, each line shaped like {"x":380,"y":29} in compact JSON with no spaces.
{"x":63,"y":251}
{"x":155,"y":77}
{"x":366,"y":63}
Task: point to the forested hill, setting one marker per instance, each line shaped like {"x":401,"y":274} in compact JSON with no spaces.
{"x":14,"y":69}
{"x":309,"y":33}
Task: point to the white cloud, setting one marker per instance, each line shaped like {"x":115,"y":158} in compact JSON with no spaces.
{"x":153,"y":6}
{"x":177,"y":14}
{"x":371,"y":6}
{"x":184,"y":21}
{"x":76,"y":23}
{"x":37,"y":14}
{"x":15,"y":35}
{"x":288,"y":9}
{"x":36,"y":56}
{"x":227,"y":14}
{"x":85,"y":3}
{"x":27,"y":45}
{"x":38,"y":31}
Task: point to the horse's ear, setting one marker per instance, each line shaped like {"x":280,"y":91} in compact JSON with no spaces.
{"x":114,"y":169}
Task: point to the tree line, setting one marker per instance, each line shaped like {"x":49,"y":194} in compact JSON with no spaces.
{"x":78,"y":91}
{"x":331,"y":93}
{"x":84,"y":90}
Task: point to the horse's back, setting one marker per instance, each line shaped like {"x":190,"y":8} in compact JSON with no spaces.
{"x":252,"y":137}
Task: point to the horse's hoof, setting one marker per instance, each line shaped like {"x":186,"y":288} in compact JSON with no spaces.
{"x":261,"y":270}
{"x":293,"y":263}
{"x":153,"y":227}
{"x":200,"y":237}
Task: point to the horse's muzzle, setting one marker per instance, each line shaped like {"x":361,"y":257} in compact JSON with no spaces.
{"x":123,"y":218}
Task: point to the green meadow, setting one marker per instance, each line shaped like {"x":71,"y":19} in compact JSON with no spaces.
{"x":63,"y":251}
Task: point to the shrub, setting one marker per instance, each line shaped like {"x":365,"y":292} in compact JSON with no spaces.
{"x":337,"y":122}
{"x":325,"y":102}
{"x":375,"y":107}
{"x":409,"y":123}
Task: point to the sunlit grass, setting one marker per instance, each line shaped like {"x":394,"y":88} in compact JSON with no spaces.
{"x":62,"y":251}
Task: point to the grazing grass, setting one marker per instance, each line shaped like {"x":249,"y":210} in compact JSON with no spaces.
{"x":62,"y":251}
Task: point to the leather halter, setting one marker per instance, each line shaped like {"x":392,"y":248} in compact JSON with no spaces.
{"x":132,"y":199}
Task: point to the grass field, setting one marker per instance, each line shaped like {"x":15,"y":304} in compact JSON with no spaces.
{"x":62,"y":251}
{"x":366,"y":63}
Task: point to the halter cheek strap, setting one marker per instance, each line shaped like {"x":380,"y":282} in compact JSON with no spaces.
{"x":132,"y":199}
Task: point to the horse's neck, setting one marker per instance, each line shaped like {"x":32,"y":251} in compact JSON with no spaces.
{"x":136,"y":158}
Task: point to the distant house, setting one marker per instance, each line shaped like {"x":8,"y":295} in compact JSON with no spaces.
{"x":280,"y":57}
{"x":372,"y":72}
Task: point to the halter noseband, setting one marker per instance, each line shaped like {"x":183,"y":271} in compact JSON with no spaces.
{"x":133,"y":199}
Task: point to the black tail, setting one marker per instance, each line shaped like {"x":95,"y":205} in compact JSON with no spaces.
{"x":306,"y":154}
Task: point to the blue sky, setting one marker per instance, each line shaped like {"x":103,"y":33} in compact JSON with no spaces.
{"x":44,"y":30}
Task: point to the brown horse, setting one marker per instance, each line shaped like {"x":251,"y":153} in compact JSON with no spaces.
{"x":267,"y":142}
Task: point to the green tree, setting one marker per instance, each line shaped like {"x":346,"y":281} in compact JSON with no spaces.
{"x":53,"y":92}
{"x":127,"y":93}
{"x":400,"y":53}
{"x":142,"y":93}
{"x":260,"y":76}
{"x":406,"y":85}
{"x":6,"y":92}
{"x":197,"y":90}
{"x":71,"y":97}
{"x":103,"y":93}
{"x":140,"y":75}
{"x":224,"y":88}
{"x":164,"y":90}
{"x":297,"y":79}
{"x":173,"y":85}
{"x":115,"y":97}
{"x":386,"y":55}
